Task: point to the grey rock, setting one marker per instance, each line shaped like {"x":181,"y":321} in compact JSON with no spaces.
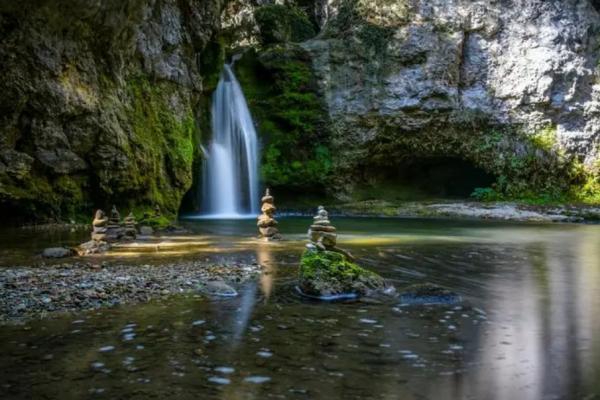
{"x":146,"y":230}
{"x":57,"y":252}
{"x":217,"y":288}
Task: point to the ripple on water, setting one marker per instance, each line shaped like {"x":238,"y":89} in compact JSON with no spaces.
{"x":219,"y":380}
{"x":225,"y":370}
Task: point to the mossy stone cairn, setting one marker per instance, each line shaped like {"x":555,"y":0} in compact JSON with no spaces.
{"x":328,"y":272}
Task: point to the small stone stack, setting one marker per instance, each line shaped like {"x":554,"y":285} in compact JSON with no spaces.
{"x":99,"y":226}
{"x":130,"y":230}
{"x":322,"y":234}
{"x":267,"y":225}
{"x":114,"y":230}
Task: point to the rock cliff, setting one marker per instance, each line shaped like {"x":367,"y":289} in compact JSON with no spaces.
{"x":511,"y":86}
{"x":105,"y":101}
{"x":99,"y":103}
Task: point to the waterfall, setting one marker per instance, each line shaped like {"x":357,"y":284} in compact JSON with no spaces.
{"x":230,"y":187}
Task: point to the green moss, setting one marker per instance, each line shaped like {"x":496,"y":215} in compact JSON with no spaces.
{"x":329,"y":265}
{"x":147,"y":217}
{"x":545,"y":138}
{"x":292,"y":119}
{"x":162,"y":146}
{"x":283,"y":23}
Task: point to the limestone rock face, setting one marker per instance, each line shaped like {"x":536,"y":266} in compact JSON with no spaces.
{"x":394,"y":70}
{"x":99,"y":97}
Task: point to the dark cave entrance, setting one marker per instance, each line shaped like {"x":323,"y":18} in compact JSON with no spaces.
{"x":424,"y":178}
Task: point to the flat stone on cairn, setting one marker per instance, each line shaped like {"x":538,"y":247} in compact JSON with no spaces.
{"x":267,"y":225}
{"x":130,"y":230}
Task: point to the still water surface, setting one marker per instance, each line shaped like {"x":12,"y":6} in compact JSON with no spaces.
{"x":529,"y":328}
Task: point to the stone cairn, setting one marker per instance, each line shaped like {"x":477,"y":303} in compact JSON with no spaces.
{"x":267,"y":225}
{"x":114,"y":230}
{"x":322,"y":234}
{"x":98,"y":244}
{"x":99,"y":226}
{"x":130,"y":230}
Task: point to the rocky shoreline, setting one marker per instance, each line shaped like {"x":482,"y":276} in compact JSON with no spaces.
{"x":506,"y":211}
{"x":77,"y":286}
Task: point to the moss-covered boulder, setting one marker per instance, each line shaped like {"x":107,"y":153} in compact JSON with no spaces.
{"x":329,"y":275}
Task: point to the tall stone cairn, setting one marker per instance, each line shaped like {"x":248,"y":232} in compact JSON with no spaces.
{"x":114,"y":230}
{"x":267,"y":225}
{"x":99,"y":226}
{"x":130,"y":229}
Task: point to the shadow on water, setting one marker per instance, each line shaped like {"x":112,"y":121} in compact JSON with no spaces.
{"x":528,"y":329}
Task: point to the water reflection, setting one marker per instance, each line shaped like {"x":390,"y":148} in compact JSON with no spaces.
{"x":529,"y":329}
{"x":264,"y":256}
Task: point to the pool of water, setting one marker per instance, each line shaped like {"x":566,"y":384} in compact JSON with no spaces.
{"x":529,"y":327}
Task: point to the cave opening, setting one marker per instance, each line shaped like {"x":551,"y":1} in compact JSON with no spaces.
{"x":422,"y":178}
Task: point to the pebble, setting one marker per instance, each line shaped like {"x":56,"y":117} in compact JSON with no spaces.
{"x":257,"y":379}
{"x":264,"y":354}
{"x":106,"y":349}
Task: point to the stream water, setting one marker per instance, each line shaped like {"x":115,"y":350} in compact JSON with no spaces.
{"x":529,"y":327}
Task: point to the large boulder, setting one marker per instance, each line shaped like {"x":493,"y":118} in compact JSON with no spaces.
{"x":329,"y":275}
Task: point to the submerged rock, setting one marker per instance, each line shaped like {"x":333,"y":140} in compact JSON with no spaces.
{"x":217,"y":288}
{"x":57,"y":252}
{"x":330,"y":275}
{"x":428,"y":293}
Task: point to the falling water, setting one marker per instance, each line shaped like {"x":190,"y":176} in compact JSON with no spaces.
{"x":231,"y":167}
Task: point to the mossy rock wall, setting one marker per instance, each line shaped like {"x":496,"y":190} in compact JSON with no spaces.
{"x":291,"y":118}
{"x":100,"y":103}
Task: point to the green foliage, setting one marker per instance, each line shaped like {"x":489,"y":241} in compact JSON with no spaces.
{"x":484,"y":194}
{"x":283,"y":23}
{"x":292,"y":119}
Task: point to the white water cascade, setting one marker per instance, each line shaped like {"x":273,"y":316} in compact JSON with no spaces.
{"x":230,"y":187}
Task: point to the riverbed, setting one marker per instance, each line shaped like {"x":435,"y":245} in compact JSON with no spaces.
{"x":527,"y":328}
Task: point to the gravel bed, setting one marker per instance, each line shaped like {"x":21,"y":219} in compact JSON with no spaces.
{"x":27,"y":292}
